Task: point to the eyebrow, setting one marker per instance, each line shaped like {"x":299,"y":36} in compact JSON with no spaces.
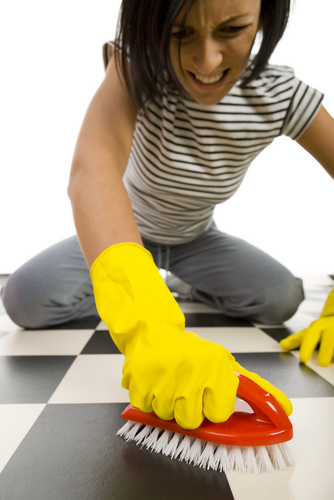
{"x":230,"y":20}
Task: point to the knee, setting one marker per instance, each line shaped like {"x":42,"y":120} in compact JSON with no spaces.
{"x":22,"y":301}
{"x":283,"y":301}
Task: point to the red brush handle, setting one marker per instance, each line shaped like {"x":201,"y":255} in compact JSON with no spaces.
{"x":261,"y":401}
{"x":266,"y":424}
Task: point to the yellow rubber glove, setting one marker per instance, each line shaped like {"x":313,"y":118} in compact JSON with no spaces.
{"x":321,"y":330}
{"x":168,"y":370}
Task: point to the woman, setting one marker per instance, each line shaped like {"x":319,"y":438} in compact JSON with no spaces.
{"x":182,"y":112}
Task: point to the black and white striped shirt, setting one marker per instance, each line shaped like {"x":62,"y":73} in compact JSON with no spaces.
{"x":188,"y":157}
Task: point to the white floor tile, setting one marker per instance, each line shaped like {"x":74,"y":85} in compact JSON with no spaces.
{"x":44,"y":342}
{"x":235,"y":339}
{"x":311,"y":280}
{"x":312,"y":306}
{"x":101,"y":326}
{"x":317,"y":293}
{"x":313,"y":449}
{"x":7,"y":325}
{"x":326,"y":372}
{"x":93,"y":379}
{"x":15,"y":422}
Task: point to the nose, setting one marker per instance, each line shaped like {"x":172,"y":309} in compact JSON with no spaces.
{"x":208,"y":56}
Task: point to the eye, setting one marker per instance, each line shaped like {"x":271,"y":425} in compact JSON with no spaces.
{"x":182,"y":34}
{"x":231,"y":30}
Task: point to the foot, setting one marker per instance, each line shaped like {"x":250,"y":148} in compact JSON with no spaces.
{"x":178,"y":287}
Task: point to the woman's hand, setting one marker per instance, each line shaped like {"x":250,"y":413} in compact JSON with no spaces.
{"x":321,"y":330}
{"x":186,"y":377}
{"x":168,"y":370}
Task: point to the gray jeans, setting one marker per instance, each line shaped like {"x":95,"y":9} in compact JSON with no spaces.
{"x":223,"y":271}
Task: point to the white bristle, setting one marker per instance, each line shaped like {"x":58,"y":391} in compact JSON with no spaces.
{"x":206,"y":459}
{"x":125,"y":429}
{"x":237,"y":459}
{"x":184,"y":447}
{"x":142,"y":435}
{"x":162,"y":442}
{"x":222,"y":458}
{"x":130,"y":435}
{"x":245,"y":459}
{"x":152,"y":438}
{"x":195,"y":451}
{"x":263,"y":459}
{"x":250,"y":460}
{"x":172,"y":445}
{"x":288,"y":458}
{"x":213,"y":462}
{"x":276,"y":457}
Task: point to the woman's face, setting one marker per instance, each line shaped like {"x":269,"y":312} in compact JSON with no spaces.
{"x":215,"y":46}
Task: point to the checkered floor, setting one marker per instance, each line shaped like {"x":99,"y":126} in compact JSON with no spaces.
{"x":61,"y":404}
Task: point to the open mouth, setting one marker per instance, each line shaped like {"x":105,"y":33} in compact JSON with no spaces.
{"x":211,"y":82}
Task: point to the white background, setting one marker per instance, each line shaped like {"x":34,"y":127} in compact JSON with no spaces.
{"x":51,"y":64}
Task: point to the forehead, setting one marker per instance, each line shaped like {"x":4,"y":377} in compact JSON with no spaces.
{"x":212,"y":12}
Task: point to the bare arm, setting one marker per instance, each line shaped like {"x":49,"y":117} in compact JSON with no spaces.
{"x":101,"y":207}
{"x":318,"y":140}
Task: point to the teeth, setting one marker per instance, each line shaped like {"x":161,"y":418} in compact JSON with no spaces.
{"x":209,"y":81}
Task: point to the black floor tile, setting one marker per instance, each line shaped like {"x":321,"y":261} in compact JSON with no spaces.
{"x":100,"y":343}
{"x":285,"y":372}
{"x":31,"y":379}
{"x":219,"y":319}
{"x":280,"y":333}
{"x":277,"y":333}
{"x":72,"y":452}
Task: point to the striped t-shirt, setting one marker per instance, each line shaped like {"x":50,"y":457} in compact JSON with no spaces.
{"x":187,"y":157}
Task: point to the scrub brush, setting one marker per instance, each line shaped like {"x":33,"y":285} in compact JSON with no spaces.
{"x":252,"y":440}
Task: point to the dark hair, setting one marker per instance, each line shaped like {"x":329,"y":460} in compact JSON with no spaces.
{"x":144,"y":33}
